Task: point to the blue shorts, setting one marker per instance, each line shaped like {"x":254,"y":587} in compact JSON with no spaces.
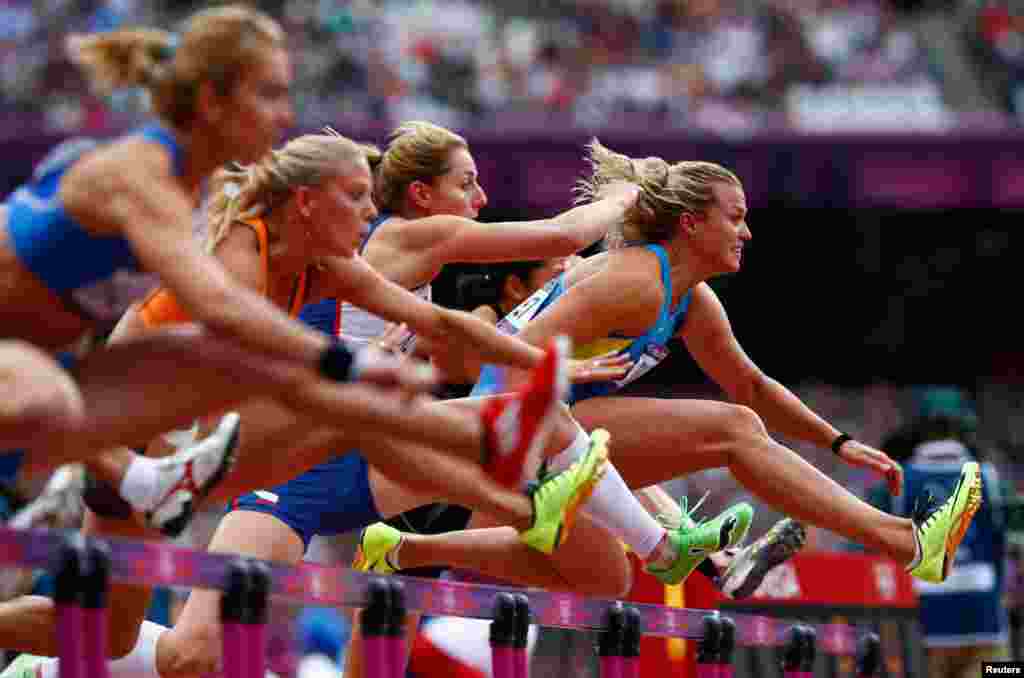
{"x":332,"y":498}
{"x":329,"y":499}
{"x":10,"y":460}
{"x":322,"y":315}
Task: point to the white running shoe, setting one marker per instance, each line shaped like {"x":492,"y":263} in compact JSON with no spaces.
{"x":750,"y":565}
{"x":59,"y":506}
{"x":191,"y":474}
{"x":25,"y":666}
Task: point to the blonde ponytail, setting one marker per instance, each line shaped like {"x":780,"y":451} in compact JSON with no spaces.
{"x":126,"y":58}
{"x":243,"y":192}
{"x":666,"y":191}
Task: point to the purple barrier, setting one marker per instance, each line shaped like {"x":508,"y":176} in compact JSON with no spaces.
{"x":156,"y":563}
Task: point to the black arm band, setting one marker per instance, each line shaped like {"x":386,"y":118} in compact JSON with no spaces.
{"x":838,"y":442}
{"x":336,"y":362}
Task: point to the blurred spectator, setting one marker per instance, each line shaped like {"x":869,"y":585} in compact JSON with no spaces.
{"x":964,"y":620}
{"x":995,"y":32}
{"x":718,"y":66}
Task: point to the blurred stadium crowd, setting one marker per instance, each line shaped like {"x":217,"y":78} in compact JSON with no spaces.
{"x":729,"y":67}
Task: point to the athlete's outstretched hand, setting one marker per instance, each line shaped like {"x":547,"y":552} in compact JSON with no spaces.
{"x":856,"y":453}
{"x":394,"y":338}
{"x":605,"y":367}
{"x":391,"y":371}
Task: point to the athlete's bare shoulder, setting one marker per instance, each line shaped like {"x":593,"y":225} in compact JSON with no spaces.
{"x":585,"y":268}
{"x":627,"y":262}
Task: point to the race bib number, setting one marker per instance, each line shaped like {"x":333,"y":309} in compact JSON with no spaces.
{"x":517,"y":319}
{"x":648,"y":360}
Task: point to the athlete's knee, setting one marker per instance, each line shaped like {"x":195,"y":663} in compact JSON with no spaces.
{"x":619,"y":580}
{"x":747,"y":423}
{"x":190,"y":653}
{"x":611,"y":580}
{"x":612,"y":577}
{"x":738,"y":429}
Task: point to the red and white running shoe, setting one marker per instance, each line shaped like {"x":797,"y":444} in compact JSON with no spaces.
{"x":190,"y":474}
{"x":517,"y":425}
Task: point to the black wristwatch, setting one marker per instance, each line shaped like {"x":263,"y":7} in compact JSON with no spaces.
{"x":840,"y":440}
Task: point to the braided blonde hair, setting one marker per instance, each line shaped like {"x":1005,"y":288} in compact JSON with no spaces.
{"x":666,"y":191}
{"x":242,"y":192}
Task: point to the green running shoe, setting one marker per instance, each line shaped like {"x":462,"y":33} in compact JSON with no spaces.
{"x":939,"y":530}
{"x":695,"y":541}
{"x":375,"y":543}
{"x":24,"y":666}
{"x":559,"y":497}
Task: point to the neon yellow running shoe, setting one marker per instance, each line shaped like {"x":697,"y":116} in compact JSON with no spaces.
{"x":558,"y":497}
{"x":695,"y":541}
{"x":939,"y":530}
{"x":375,"y":543}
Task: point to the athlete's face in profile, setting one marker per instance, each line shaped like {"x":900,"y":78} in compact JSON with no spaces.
{"x":260,"y":109}
{"x":720,"y":236}
{"x":458,"y":191}
{"x":340,"y":207}
{"x":517,"y":293}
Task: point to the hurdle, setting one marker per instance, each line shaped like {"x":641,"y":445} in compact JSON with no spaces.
{"x":84,"y":565}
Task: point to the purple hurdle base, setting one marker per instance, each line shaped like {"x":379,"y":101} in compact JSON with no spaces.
{"x":377,"y":657}
{"x":235,"y":653}
{"x":68,"y":568}
{"x":70,"y":640}
{"x":94,"y":659}
{"x":611,"y":667}
{"x":503,"y":662}
{"x":398,"y":655}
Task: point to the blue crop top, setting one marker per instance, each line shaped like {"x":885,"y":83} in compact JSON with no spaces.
{"x":646,"y":351}
{"x":87,"y":271}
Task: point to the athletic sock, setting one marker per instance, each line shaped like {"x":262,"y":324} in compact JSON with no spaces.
{"x":612,"y":504}
{"x":141,"y":483}
{"x":139,"y":663}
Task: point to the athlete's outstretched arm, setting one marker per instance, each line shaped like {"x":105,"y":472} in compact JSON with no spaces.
{"x":708,"y":335}
{"x":404,"y":253}
{"x":355,"y":281}
{"x":141,"y":200}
